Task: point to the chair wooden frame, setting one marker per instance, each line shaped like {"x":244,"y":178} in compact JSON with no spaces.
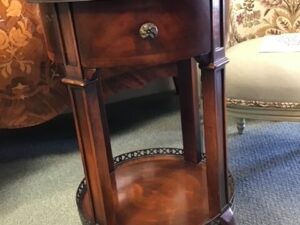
{"x":274,"y":111}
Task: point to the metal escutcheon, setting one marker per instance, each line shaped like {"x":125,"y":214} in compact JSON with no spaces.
{"x":148,"y":31}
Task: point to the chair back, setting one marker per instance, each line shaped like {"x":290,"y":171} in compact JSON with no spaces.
{"x":249,"y":19}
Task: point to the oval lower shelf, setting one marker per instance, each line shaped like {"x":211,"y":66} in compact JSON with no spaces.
{"x":156,"y":187}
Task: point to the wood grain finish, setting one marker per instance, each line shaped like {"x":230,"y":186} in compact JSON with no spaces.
{"x":121,"y":78}
{"x":114,"y":79}
{"x":215,"y":115}
{"x":148,"y":192}
{"x":214,"y":140}
{"x":116,"y":27}
{"x":190,"y":115}
{"x":94,"y":144}
{"x":97,"y":36}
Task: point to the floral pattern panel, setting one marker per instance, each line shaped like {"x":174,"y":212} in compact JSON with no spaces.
{"x":255,"y":18}
{"x":30,"y":87}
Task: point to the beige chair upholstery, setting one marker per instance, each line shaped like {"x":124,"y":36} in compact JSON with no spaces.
{"x":262,"y":85}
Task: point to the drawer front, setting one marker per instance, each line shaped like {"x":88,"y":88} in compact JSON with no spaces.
{"x":127,"y":32}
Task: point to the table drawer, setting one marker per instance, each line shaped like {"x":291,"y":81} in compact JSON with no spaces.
{"x":132,"y":32}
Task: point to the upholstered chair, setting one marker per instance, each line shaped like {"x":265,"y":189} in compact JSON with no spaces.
{"x":262,"y":85}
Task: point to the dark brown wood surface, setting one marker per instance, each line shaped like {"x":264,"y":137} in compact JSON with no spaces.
{"x":94,"y":143}
{"x":97,"y":36}
{"x":116,"y":27}
{"x":148,"y":192}
{"x":190,"y":115}
{"x":213,"y":78}
{"x":31,"y":91}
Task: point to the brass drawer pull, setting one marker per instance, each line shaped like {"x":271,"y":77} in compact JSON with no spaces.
{"x":148,"y":31}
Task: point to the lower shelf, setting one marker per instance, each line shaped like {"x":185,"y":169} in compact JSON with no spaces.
{"x":156,"y":187}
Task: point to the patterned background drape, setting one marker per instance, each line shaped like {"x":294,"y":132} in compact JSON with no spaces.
{"x":30,"y":87}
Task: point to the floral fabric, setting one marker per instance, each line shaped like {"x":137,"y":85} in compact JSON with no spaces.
{"x":30,"y":88}
{"x":256,"y":18}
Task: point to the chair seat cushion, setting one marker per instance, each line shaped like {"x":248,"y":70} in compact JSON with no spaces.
{"x":270,"y":77}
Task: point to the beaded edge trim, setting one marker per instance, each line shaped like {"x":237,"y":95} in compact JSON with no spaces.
{"x":262,"y":104}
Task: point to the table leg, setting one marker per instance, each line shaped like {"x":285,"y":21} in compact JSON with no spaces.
{"x":94,"y":144}
{"x":190,"y":110}
{"x":215,"y":137}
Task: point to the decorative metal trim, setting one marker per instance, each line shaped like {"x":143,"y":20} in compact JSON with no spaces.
{"x":262,"y":104}
{"x":139,"y":154}
{"x":148,"y":31}
{"x":146,"y":153}
{"x":78,"y":83}
{"x":82,"y":188}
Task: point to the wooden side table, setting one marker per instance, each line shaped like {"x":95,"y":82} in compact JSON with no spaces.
{"x":159,"y":186}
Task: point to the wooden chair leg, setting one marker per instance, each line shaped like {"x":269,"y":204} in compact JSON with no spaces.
{"x":241,"y":124}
